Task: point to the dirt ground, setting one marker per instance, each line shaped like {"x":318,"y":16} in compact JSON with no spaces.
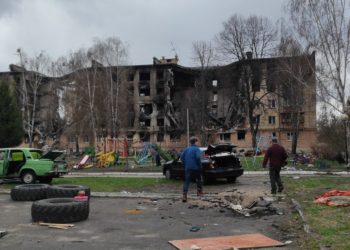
{"x":130,"y":223}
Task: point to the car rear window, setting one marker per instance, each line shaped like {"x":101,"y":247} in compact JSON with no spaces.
{"x":36,"y":154}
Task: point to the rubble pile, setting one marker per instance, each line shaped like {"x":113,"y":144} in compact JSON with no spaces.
{"x":247,"y":204}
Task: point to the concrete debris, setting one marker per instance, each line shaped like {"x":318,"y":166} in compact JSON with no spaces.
{"x":297,"y":207}
{"x":195,"y":247}
{"x":244,"y":203}
{"x":2,"y":233}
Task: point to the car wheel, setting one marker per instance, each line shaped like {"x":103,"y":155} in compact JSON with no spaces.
{"x":47,"y":180}
{"x":168,"y":174}
{"x":231,"y":179}
{"x":60,"y":210}
{"x":28,"y":177}
{"x":65,"y":190}
{"x":29,"y":192}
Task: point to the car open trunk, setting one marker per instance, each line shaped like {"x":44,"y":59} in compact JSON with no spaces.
{"x":52,"y":155}
{"x":222,"y":156}
{"x":225,"y":161}
{"x":221,"y":148}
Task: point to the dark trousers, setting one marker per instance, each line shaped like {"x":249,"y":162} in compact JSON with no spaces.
{"x":189,"y":173}
{"x":275,"y":178}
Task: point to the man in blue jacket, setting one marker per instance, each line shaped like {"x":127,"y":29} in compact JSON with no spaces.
{"x":191,"y":159}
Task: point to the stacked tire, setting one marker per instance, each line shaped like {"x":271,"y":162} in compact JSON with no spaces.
{"x":29,"y":192}
{"x":60,"y":210}
{"x":54,"y":204}
{"x":63,"y":191}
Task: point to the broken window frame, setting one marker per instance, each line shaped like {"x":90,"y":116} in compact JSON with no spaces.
{"x":144,"y":89}
{"x":241,"y":135}
{"x":144,"y":76}
{"x":271,"y":103}
{"x":160,"y":136}
{"x":131,"y":77}
{"x":144,"y":136}
{"x":272,"y":120}
{"x":160,"y":122}
{"x":256,"y":119}
{"x":225,"y":137}
{"x":160,"y":74}
{"x":174,"y":136}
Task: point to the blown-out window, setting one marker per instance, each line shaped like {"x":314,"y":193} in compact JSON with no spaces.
{"x":225,"y":137}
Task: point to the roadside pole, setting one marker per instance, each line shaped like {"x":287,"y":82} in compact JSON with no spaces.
{"x":188,"y":129}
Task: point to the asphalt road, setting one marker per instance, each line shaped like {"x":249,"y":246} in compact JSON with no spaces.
{"x":111,"y":226}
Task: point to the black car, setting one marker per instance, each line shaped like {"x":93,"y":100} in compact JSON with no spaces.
{"x":218,"y":161}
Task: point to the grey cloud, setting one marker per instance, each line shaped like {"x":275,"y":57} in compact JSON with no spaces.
{"x":7,"y":7}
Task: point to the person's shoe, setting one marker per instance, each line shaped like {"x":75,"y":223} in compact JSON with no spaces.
{"x":280,"y":189}
{"x":199,"y":193}
{"x":184,"y":197}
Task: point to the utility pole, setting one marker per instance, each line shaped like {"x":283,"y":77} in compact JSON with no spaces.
{"x":347,"y":131}
{"x":23,"y":84}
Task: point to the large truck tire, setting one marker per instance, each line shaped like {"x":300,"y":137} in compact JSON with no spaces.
{"x":29,"y":192}
{"x":65,"y":190}
{"x":60,"y":210}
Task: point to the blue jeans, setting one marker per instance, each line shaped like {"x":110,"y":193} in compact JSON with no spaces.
{"x":192,"y":173}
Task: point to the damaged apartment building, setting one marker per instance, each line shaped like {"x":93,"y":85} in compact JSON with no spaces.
{"x":165,"y":102}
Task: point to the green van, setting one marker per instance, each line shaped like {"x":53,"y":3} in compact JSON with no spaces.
{"x":31,"y":164}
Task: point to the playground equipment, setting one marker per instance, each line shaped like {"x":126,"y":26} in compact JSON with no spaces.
{"x":262,"y":143}
{"x":148,"y":151}
{"x":106,"y":160}
{"x":145,"y":153}
{"x":82,"y":162}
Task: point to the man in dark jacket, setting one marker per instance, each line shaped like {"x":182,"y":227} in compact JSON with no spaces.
{"x":276,"y":156}
{"x":191,"y":159}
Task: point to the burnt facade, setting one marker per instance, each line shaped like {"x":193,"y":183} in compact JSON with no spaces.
{"x":158,"y":103}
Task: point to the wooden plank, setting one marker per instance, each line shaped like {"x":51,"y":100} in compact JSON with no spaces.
{"x":55,"y":224}
{"x":228,"y":242}
{"x":58,"y":227}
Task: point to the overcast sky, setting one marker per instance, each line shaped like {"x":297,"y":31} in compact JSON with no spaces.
{"x":150,"y":27}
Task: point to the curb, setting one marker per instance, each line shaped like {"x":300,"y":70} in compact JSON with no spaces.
{"x":157,"y":175}
{"x":142,"y":195}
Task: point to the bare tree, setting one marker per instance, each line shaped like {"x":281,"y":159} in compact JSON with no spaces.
{"x":93,"y":88}
{"x":203,"y":56}
{"x":239,"y":35}
{"x":257,"y":36}
{"x":324,"y":25}
{"x":32,"y":81}
{"x":85,"y":79}
{"x":296,"y":76}
{"x":112,"y":53}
